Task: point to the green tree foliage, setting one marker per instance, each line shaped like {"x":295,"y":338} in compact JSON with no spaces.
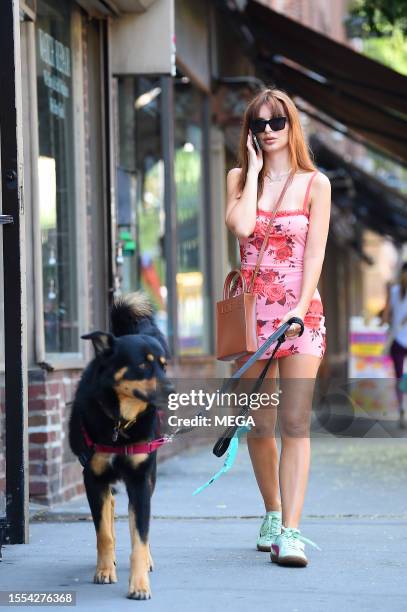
{"x":382,"y":24}
{"x":379,"y":17}
{"x":391,"y":51}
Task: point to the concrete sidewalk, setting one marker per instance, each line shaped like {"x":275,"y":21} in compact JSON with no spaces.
{"x":204,"y":546}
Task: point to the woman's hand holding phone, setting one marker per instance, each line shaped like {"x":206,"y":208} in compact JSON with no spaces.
{"x":255,"y":157}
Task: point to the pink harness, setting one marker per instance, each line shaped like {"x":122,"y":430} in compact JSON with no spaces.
{"x":130,"y":449}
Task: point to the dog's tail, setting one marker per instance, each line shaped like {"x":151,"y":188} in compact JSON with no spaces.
{"x":127,"y":312}
{"x":133,"y":314}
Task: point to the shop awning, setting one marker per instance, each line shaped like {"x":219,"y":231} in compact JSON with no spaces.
{"x":368,"y":200}
{"x":362,"y":94}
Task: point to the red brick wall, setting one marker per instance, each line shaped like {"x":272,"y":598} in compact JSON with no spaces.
{"x":54,"y":472}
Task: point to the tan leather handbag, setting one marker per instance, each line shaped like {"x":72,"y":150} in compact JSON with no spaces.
{"x":236,"y":318}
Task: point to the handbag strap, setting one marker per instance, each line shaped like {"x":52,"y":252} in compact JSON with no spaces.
{"x":228,"y":280}
{"x":267,"y":234}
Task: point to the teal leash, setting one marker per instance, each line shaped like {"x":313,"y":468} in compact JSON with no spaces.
{"x":230,"y":457}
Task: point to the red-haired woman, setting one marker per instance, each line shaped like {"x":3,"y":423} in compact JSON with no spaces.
{"x":286,"y":286}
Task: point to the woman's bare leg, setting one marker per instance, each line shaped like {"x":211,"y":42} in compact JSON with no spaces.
{"x":261,"y":441}
{"x":297,"y":382}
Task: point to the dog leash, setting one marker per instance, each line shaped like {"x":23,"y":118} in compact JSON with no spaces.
{"x":231,"y":437}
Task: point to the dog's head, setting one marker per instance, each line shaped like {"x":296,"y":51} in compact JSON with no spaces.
{"x":132,"y":367}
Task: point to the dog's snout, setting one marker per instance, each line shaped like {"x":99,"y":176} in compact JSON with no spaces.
{"x":166,"y":387}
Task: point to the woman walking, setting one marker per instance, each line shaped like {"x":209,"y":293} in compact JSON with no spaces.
{"x":395,"y":313}
{"x":286,"y":286}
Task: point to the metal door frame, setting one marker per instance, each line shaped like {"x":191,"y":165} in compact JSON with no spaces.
{"x":15,"y":525}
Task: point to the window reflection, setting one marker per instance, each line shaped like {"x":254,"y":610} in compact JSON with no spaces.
{"x":140,"y":186}
{"x":56,"y":176}
{"x":191,"y":256}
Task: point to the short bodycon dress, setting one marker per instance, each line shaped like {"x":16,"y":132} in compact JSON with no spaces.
{"x":279,"y":279}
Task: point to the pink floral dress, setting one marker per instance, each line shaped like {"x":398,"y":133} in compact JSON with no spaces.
{"x":278,"y":281}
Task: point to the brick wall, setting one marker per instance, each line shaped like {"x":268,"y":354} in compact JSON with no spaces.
{"x":54,"y":473}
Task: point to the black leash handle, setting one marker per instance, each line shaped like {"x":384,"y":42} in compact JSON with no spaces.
{"x":222,"y":444}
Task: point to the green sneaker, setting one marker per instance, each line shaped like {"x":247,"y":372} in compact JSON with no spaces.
{"x":269,"y":530}
{"x":288,"y":548}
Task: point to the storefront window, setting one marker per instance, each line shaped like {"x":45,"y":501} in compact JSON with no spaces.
{"x":56,"y":175}
{"x":140,"y":189}
{"x":192,"y":294}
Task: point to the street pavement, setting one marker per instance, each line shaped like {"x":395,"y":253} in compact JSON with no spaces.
{"x":204,"y":546}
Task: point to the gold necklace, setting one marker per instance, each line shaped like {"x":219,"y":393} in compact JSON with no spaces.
{"x":278,"y":177}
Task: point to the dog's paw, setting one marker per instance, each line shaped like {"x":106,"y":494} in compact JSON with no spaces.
{"x":139,"y":588}
{"x":139,"y":595}
{"x":105,"y":575}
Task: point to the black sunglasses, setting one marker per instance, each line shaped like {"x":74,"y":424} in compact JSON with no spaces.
{"x":275,"y":123}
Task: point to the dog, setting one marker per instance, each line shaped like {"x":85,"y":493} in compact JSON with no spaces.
{"x":113,"y":431}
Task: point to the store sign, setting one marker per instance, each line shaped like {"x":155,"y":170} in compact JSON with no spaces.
{"x":57,"y":58}
{"x":370,"y":371}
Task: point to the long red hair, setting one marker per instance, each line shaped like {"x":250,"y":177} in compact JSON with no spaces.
{"x":279,"y":104}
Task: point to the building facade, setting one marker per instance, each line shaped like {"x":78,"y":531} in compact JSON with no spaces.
{"x":116,"y":144}
{"x":131,"y":114}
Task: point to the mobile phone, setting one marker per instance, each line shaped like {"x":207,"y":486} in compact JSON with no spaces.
{"x":256,"y":144}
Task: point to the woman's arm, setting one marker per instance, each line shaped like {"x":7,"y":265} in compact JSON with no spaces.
{"x":241,"y":207}
{"x":316,"y":239}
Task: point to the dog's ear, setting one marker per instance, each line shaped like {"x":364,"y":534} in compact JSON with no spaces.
{"x":103,"y":342}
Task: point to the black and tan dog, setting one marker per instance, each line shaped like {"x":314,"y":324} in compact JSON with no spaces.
{"x":113,"y":431}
